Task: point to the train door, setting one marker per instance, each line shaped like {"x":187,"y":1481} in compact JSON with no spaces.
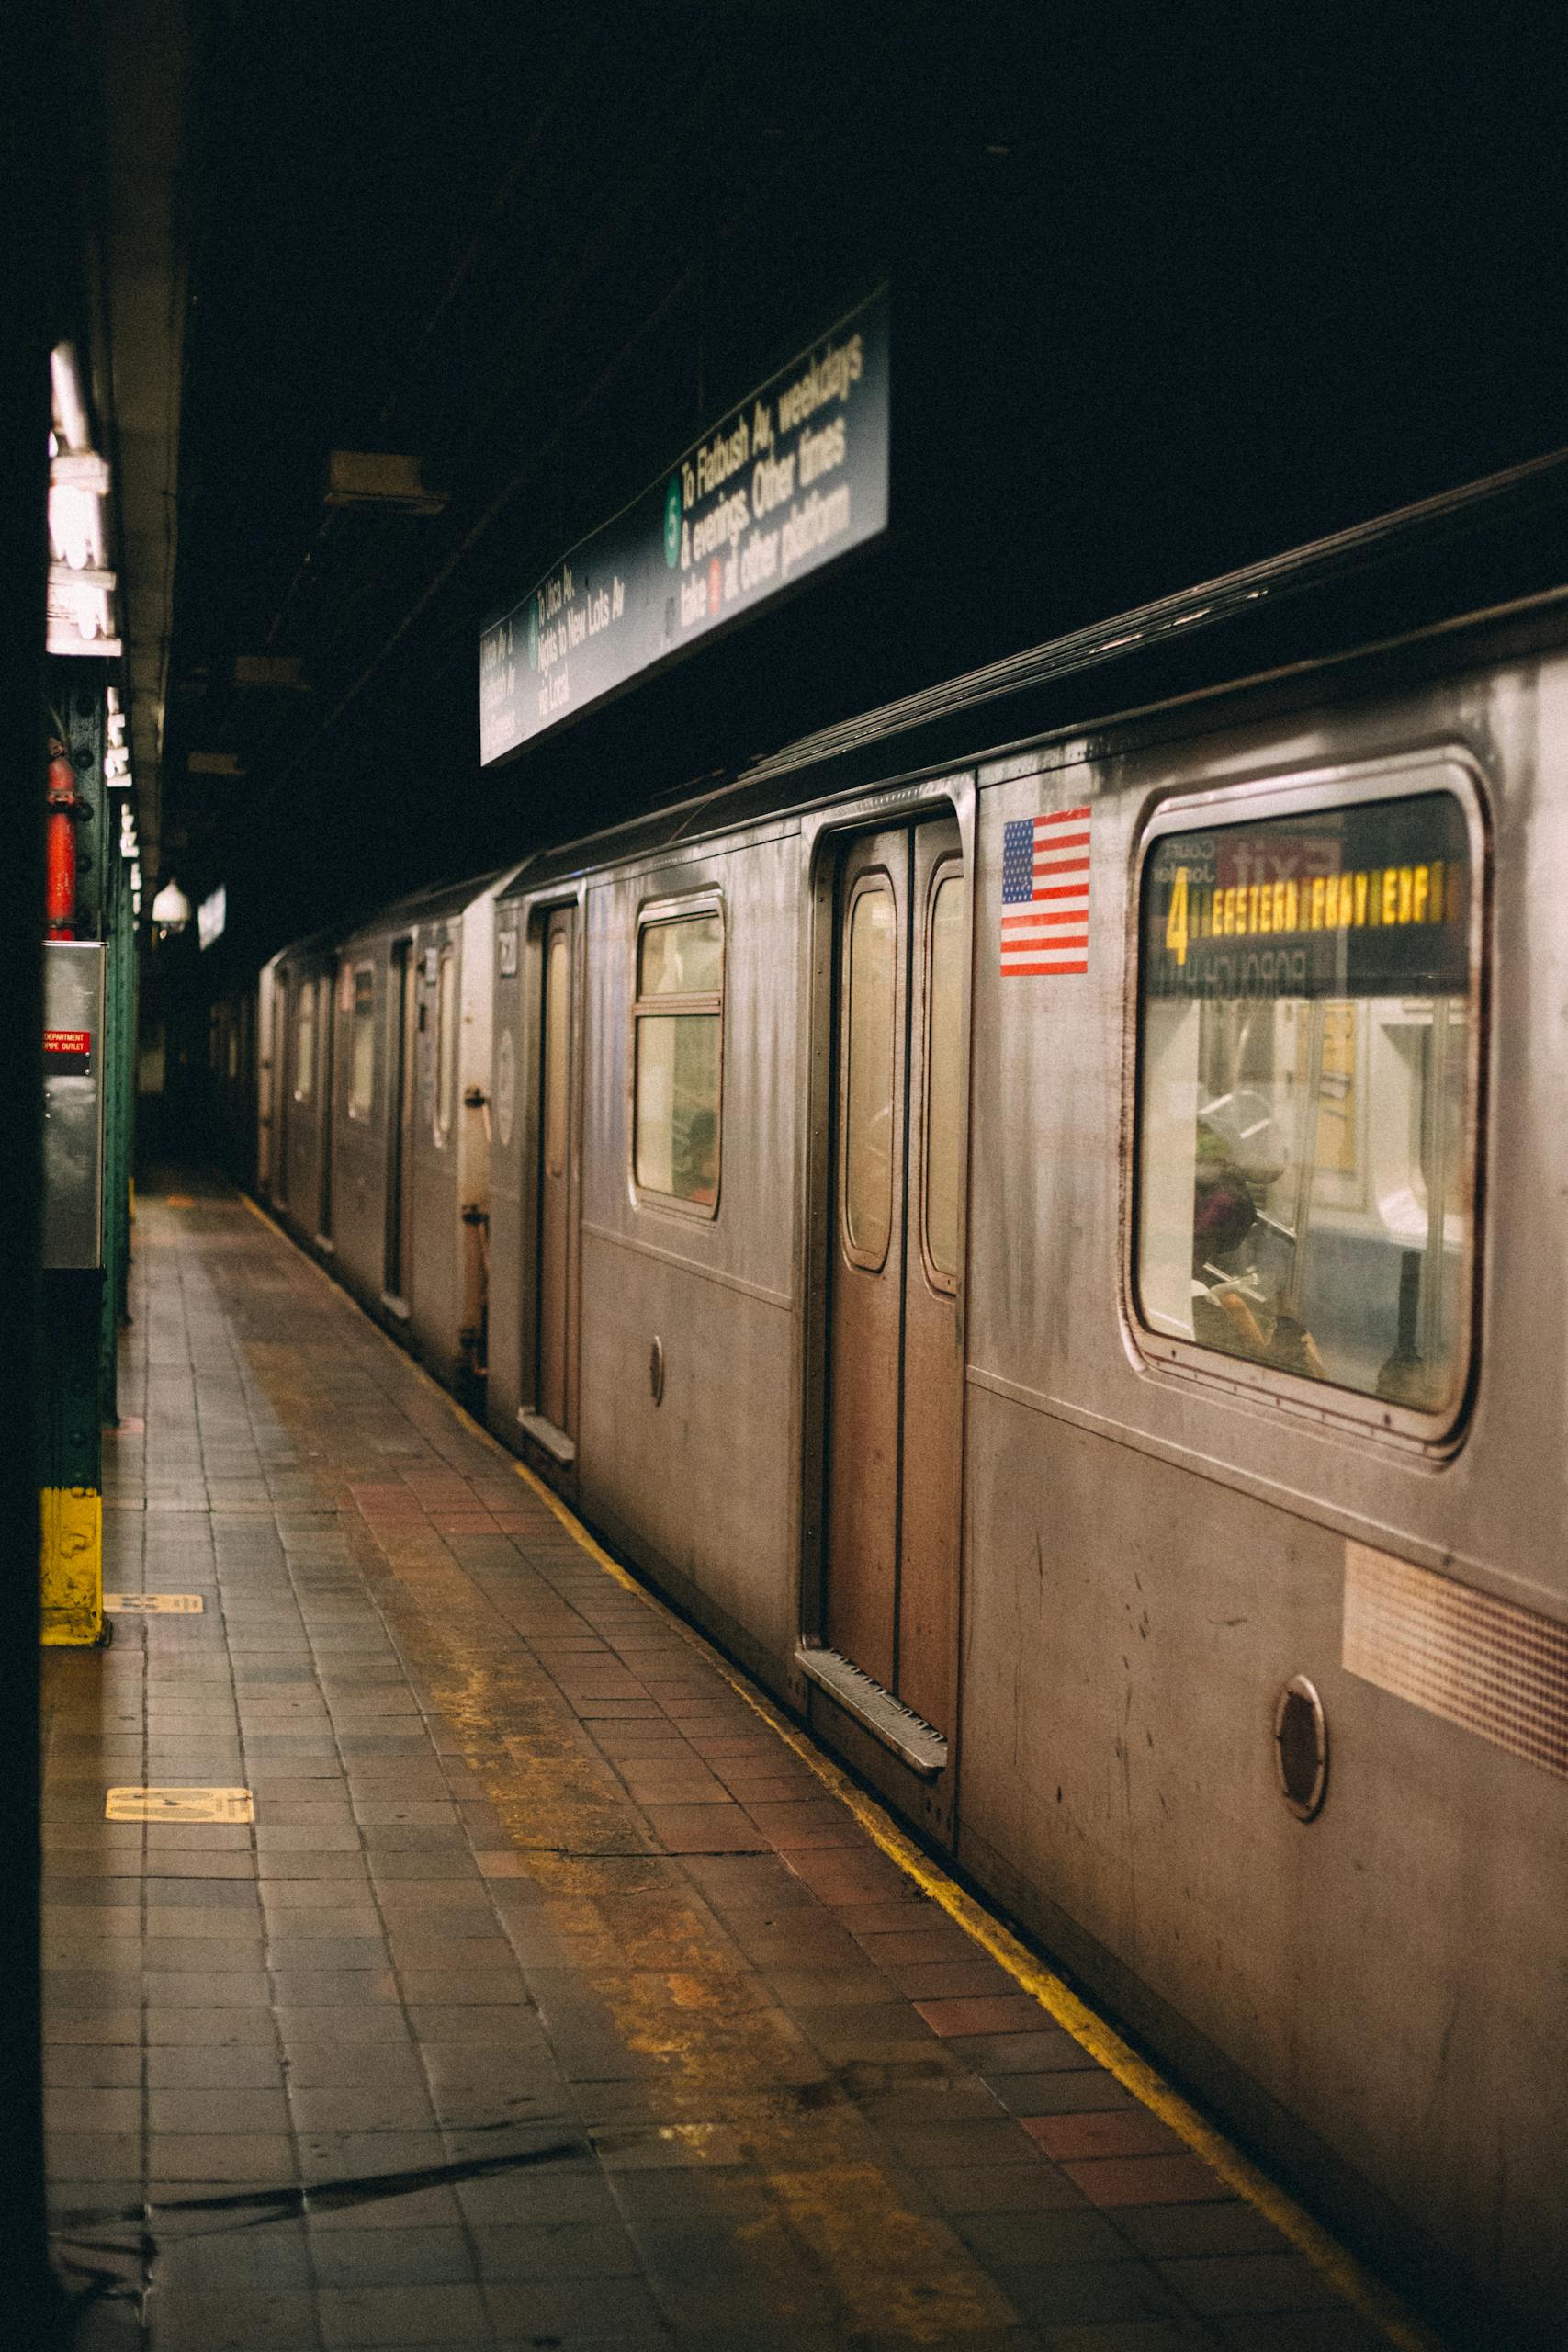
{"x":552,"y":1386}
{"x":895,"y":1251}
{"x":268,"y":1035}
{"x":248,"y":1163}
{"x":282,"y":1082}
{"x":326,"y":1054}
{"x":403,"y":1025}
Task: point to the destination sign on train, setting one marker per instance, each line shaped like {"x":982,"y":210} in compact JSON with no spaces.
{"x":1360,"y":901}
{"x":791,"y":480}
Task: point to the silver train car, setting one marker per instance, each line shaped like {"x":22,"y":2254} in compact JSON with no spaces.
{"x":1054,"y":1257}
{"x":373,"y":1113}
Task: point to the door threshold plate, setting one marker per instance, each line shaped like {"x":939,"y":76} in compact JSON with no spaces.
{"x":555,"y":1443}
{"x":896,"y":1725}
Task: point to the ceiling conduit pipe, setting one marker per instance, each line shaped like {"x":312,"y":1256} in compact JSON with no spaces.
{"x":66,"y":812}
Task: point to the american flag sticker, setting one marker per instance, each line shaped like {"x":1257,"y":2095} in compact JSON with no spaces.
{"x":1045,"y":893}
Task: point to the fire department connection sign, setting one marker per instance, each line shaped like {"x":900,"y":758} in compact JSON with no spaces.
{"x":790,"y":481}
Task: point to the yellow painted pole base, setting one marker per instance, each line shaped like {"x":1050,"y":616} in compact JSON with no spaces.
{"x":71,"y":1526}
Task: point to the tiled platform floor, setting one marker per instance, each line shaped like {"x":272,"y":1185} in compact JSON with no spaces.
{"x":551,"y":2001}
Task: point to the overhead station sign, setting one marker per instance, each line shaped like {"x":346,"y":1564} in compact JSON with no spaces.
{"x":791,"y":480}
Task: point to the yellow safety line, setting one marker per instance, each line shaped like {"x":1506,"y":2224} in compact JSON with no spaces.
{"x":1357,"y":2285}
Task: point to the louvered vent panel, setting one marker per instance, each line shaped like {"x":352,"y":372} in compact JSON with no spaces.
{"x":1497,"y":1669}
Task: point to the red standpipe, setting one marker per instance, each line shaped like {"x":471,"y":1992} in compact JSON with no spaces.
{"x":60,"y":849}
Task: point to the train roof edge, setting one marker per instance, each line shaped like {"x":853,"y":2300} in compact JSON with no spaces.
{"x":1440,"y":559}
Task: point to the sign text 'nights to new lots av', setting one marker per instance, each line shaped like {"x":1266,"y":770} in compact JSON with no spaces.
{"x":792,"y":479}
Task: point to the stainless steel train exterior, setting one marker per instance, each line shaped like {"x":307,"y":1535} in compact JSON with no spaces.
{"x":375,"y":1114}
{"x":1057,"y":1258}
{"x":295,"y":1023}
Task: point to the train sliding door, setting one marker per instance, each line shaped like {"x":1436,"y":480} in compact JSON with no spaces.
{"x":895,"y":1371}
{"x":402,"y":1030}
{"x":553,"y":1383}
{"x":549,"y":1338}
{"x":285,"y":1057}
{"x":326,"y":1050}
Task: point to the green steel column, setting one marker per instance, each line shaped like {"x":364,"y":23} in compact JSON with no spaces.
{"x":133,"y":1050}
{"x":108,"y":1318}
{"x":128,"y":1078}
{"x":120,"y":939}
{"x":71,"y":1343}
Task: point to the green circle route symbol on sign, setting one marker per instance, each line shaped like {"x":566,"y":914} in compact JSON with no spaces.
{"x":673,"y":523}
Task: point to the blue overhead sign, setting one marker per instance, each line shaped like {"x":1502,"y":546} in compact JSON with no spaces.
{"x":791,"y":480}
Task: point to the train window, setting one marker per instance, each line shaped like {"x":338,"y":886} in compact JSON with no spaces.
{"x":557,"y":1044}
{"x":362,"y":1051}
{"x":944,"y":1074}
{"x":677,"y":1022}
{"x":1306,"y":1094}
{"x":684,"y":958}
{"x":445,"y":1040}
{"x":305,"y":1041}
{"x":871,"y":986}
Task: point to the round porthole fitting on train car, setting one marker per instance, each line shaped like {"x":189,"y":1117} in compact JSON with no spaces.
{"x":1301,"y":1748}
{"x":655,"y":1371}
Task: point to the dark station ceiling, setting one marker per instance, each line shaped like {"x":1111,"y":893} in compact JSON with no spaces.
{"x":480,"y":238}
{"x":1162,"y":305}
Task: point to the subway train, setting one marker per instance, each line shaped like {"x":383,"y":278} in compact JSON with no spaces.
{"x":1037,"y":1217}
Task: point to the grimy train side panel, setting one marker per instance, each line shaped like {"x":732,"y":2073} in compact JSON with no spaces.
{"x":689,"y":1329}
{"x":1150,"y":1556}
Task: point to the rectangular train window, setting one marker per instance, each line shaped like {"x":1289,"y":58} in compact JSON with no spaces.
{"x":445,"y":1041}
{"x":558,"y":1048}
{"x":946,"y":1074}
{"x":305,"y":1041}
{"x":677,"y":1023}
{"x":1305,"y":1095}
{"x":362,"y":1051}
{"x":871,"y":1076}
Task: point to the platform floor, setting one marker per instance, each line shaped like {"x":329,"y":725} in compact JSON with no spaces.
{"x":552,"y":2000}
